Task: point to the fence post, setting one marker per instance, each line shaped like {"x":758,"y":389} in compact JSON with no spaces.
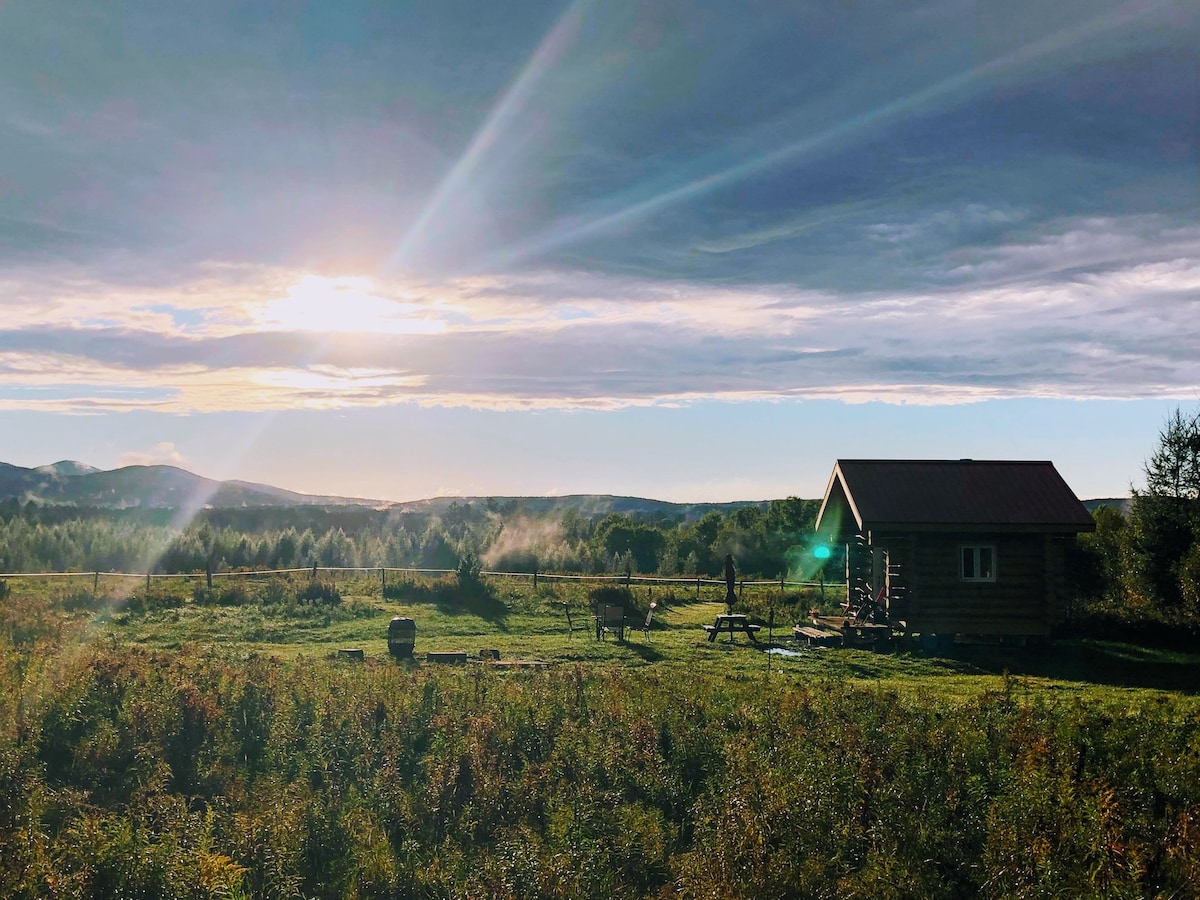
{"x":382,"y":579}
{"x":147,"y":582}
{"x":314,"y":572}
{"x":95,"y":582}
{"x":208,"y":576}
{"x":697,"y":587}
{"x":535,"y":579}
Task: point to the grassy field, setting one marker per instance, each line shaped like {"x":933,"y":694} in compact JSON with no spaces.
{"x":523,"y":623}
{"x":182,"y":742}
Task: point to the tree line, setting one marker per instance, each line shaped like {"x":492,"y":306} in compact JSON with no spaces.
{"x":768,"y":540}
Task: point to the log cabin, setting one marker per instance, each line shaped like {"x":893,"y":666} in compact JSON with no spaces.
{"x":945,"y":547}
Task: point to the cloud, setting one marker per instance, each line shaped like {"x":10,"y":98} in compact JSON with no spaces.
{"x":164,"y":453}
{"x":1098,"y":308}
{"x":1090,"y":244}
{"x":596,"y":206}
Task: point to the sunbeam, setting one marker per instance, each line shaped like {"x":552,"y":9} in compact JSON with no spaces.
{"x":237,"y":450}
{"x":569,"y":231}
{"x":498,"y":121}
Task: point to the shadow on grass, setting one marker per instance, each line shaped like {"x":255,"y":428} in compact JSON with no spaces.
{"x":644,"y":651}
{"x":453,"y":599}
{"x":1088,"y":660}
{"x":476,"y":602}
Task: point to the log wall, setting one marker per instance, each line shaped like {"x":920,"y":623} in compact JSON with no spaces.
{"x":1028,"y":596}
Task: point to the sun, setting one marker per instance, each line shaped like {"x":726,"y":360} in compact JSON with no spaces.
{"x":344,"y":305}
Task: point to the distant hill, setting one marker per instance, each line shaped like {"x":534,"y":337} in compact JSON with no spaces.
{"x":69,"y":483}
{"x":588,"y":505}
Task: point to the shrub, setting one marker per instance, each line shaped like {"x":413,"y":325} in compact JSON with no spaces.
{"x":468,"y":571}
{"x":610,"y":596}
{"x":81,"y":599}
{"x":319,"y":591}
{"x":154,"y":598}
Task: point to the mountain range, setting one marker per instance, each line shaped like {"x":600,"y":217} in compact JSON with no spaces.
{"x":70,"y":483}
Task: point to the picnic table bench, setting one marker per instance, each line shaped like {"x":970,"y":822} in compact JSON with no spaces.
{"x":730,"y":624}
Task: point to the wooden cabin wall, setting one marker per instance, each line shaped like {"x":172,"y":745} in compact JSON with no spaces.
{"x":1027,"y":598}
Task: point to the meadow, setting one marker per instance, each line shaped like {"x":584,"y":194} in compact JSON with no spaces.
{"x":182,"y":741}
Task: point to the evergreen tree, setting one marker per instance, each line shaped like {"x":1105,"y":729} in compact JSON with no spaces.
{"x":1166,"y":515}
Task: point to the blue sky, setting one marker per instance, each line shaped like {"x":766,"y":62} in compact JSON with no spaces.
{"x":694,"y":251}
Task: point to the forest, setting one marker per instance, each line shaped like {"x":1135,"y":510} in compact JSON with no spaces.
{"x":765,"y":538}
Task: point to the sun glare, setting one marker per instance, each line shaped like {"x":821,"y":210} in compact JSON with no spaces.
{"x":346,"y":305}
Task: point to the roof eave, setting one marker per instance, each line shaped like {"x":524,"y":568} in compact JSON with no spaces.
{"x":980,"y":527}
{"x":836,"y":477}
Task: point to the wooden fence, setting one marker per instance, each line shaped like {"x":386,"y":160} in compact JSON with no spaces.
{"x":628,"y":579}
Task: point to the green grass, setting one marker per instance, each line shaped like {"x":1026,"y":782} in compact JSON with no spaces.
{"x":523,"y":623}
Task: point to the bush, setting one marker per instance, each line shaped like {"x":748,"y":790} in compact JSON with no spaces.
{"x":154,"y":598}
{"x":226,"y":595}
{"x":81,"y":599}
{"x":611,"y":596}
{"x":319,"y":591}
{"x":468,"y":571}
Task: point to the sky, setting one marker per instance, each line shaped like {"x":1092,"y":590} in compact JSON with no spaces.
{"x":684,"y":250}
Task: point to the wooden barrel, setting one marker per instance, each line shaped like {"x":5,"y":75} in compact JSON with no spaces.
{"x":402,"y":634}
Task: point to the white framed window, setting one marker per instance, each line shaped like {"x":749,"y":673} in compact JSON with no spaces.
{"x":977,"y":562}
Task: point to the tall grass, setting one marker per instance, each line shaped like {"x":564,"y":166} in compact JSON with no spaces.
{"x":130,"y":773}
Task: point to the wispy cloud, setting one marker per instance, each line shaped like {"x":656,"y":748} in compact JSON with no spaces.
{"x":1099,"y":308}
{"x":163,"y":453}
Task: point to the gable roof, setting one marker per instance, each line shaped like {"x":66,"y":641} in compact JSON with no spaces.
{"x":963,"y":494}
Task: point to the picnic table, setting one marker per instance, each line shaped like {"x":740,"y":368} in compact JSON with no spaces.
{"x":730,"y":624}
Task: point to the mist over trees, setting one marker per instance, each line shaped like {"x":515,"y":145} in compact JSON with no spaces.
{"x":764,"y":538}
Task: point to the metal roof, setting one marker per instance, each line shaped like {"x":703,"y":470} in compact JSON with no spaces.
{"x":932,"y":493}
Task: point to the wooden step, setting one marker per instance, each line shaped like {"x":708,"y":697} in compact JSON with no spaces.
{"x":816,"y":637}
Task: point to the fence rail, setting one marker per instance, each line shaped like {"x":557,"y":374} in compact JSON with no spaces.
{"x":626,"y":578}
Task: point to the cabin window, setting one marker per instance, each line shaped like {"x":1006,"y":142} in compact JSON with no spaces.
{"x":978,"y":562}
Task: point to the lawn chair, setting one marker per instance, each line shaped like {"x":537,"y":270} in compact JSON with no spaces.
{"x":571,"y":626}
{"x":649,"y":619}
{"x":610,"y":620}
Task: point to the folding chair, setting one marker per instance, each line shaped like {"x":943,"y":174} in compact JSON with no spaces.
{"x":649,"y":619}
{"x":611,"y":620}
{"x":571,"y":626}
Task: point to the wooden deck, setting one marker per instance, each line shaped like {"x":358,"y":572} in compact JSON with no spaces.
{"x":853,"y":634}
